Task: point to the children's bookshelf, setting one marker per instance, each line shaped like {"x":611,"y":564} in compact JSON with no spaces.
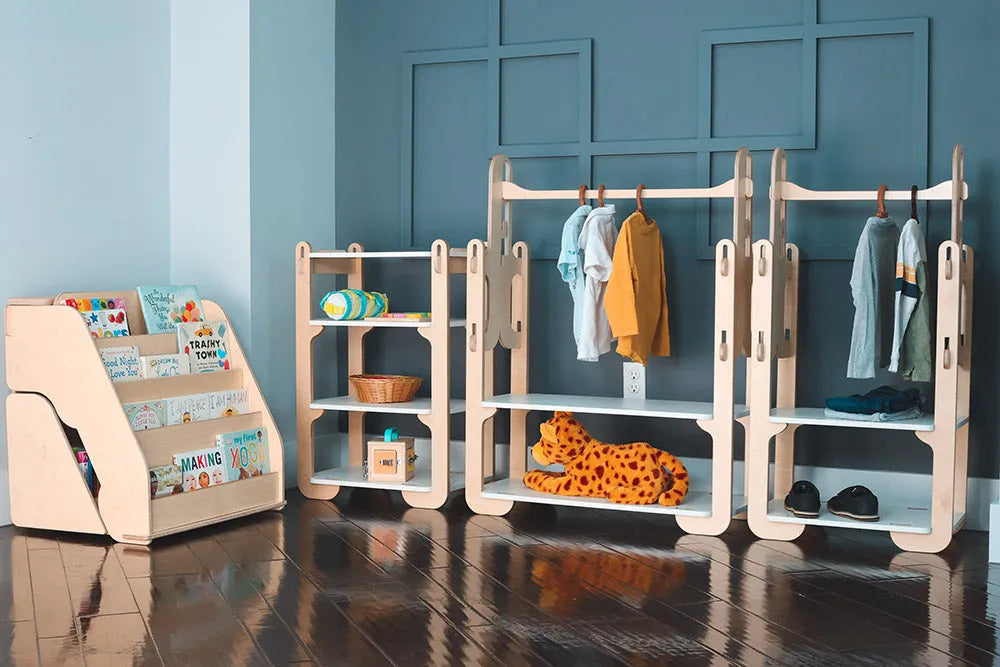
{"x":59,"y":382}
{"x":433,"y":481}
{"x":926,"y":524}
{"x":498,"y":314}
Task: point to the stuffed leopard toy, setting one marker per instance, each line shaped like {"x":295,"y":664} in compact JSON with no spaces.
{"x":630,"y":474}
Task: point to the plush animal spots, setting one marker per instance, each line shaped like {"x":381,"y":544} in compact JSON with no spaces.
{"x":634,"y":473}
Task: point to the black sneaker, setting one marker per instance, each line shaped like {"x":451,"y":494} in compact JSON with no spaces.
{"x":803,"y":499}
{"x":855,"y":502}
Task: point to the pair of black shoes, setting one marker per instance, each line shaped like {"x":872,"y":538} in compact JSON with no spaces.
{"x":854,"y":502}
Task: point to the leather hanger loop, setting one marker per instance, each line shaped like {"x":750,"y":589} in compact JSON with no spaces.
{"x":638,"y":198}
{"x":583,"y":189}
{"x":880,"y":212}
{"x":913,"y":202}
{"x":600,"y":195}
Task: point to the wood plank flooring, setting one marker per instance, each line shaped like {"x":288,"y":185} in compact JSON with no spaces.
{"x":368,"y":581}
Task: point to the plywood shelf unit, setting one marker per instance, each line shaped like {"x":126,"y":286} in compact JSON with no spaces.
{"x":498,"y":288}
{"x":433,"y":482}
{"x":926,"y":525}
{"x":58,"y":378}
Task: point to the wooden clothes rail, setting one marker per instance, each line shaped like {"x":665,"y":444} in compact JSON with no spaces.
{"x":774,"y":324}
{"x":498,"y":307}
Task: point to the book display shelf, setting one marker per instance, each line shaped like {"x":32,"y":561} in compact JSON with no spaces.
{"x":60,"y":384}
{"x":433,"y":480}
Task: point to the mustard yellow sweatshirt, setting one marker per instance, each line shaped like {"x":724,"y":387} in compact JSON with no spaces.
{"x":636,"y":297}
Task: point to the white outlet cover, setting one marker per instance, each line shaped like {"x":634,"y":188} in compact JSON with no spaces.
{"x":633,"y":380}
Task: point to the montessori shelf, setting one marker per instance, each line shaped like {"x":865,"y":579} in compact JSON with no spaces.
{"x":433,"y":481}
{"x":924,"y":525}
{"x":58,"y":377}
{"x":498,"y":289}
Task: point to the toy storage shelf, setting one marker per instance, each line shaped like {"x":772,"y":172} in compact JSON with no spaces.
{"x":59,"y":379}
{"x":354,"y":476}
{"x":898,"y":516}
{"x":608,"y":405}
{"x":383,"y":324}
{"x":432,"y":481}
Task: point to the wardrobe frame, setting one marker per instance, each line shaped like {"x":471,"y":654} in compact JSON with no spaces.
{"x":435,"y":412}
{"x":498,"y":308}
{"x":775,"y":328}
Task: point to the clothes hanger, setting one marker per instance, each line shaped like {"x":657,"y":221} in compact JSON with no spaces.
{"x":600,"y":195}
{"x":880,"y":212}
{"x":638,"y":199}
{"x":583,"y":189}
{"x":913,"y":203}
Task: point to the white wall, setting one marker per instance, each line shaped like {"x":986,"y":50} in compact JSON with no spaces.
{"x":210,"y":153}
{"x":84,"y":145}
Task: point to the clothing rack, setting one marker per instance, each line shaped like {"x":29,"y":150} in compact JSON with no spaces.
{"x":913,"y":526}
{"x":498,"y":298}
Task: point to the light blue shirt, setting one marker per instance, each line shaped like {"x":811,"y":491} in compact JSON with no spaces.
{"x":570,"y":264}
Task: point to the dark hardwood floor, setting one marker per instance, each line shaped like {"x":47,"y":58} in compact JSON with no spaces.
{"x":367,"y":581}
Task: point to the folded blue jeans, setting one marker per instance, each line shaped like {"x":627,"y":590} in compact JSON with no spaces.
{"x":883,"y":399}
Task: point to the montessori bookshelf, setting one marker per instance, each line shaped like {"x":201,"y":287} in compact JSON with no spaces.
{"x":433,"y":480}
{"x":59,"y":382}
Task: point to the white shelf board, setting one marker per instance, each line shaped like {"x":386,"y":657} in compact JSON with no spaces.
{"x":354,"y":476}
{"x":608,"y":405}
{"x":695,"y":504}
{"x":815,"y":416}
{"x":398,"y":323}
{"x":418,"y":406}
{"x":899,"y":516}
{"x":375,"y":254}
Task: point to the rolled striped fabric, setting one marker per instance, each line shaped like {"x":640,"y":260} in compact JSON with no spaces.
{"x":354,"y":304}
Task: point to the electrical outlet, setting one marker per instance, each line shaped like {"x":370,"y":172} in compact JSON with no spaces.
{"x":634,"y":377}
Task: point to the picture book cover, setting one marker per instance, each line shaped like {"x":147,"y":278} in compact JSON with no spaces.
{"x":165,"y":481}
{"x":122,"y":363}
{"x":146,"y":414}
{"x":245,"y":453}
{"x":164,"y":365}
{"x":166,"y":306}
{"x":185,"y":409}
{"x":228,"y":403}
{"x":107,"y":303}
{"x":201,"y":468}
{"x":106,"y":323}
{"x":205,"y":345}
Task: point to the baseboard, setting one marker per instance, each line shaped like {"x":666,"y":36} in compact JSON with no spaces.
{"x":982,"y":492}
{"x":995,"y":532}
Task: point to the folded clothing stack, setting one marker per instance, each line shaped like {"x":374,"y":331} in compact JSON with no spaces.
{"x":884,"y":404}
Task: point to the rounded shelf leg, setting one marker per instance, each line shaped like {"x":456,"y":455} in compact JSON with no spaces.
{"x":428,"y":500}
{"x":318,"y":491}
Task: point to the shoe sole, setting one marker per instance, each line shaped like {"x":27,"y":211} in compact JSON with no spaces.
{"x":800,"y":513}
{"x":856,"y":517}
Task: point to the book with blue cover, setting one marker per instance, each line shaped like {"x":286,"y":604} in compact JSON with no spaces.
{"x":245,"y":453}
{"x":166,"y":306}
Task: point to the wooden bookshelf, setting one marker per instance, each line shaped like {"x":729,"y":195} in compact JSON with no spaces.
{"x":58,"y":378}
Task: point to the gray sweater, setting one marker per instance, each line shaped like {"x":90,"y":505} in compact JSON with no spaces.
{"x":873,"y":289}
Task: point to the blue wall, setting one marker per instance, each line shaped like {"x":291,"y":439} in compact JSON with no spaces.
{"x":291,"y":182}
{"x":588,"y":91}
{"x":84,"y":201}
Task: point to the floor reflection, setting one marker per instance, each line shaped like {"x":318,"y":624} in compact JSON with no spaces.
{"x":368,"y":581}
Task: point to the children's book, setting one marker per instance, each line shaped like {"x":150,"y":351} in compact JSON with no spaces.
{"x":228,"y":403}
{"x":245,"y":453}
{"x":201,"y":468}
{"x":164,"y":365}
{"x":106,"y":323}
{"x":165,"y":481}
{"x":166,"y":306}
{"x":122,"y":363}
{"x":205,"y":345}
{"x":146,"y":414}
{"x":184,"y":409}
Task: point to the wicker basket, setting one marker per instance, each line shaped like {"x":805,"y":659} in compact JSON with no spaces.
{"x":385,"y":388}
